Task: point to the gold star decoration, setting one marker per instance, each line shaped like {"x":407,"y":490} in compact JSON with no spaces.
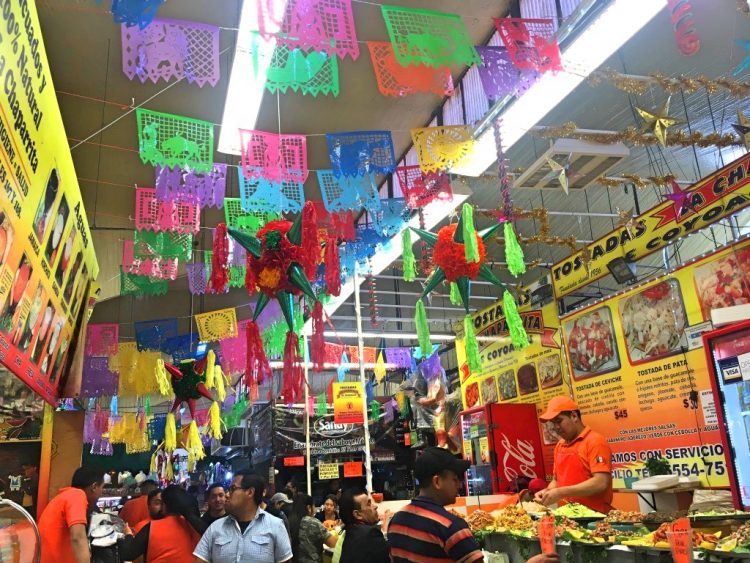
{"x":627,"y":220}
{"x":560,"y":172}
{"x":743,"y":129}
{"x":658,"y":122}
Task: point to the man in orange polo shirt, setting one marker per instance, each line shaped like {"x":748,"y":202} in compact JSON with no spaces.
{"x":583,"y":460}
{"x":62,"y":525}
{"x":136,"y":509}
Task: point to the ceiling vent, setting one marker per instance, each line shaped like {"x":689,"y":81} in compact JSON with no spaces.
{"x":585,"y":161}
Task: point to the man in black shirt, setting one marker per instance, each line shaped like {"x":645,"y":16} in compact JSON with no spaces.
{"x":363,"y":539}
{"x":217,"y":499}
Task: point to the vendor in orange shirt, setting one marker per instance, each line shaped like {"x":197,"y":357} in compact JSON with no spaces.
{"x":583,"y":460}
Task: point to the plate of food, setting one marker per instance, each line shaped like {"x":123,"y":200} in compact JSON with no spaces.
{"x":723,"y":282}
{"x":591,"y":341}
{"x":527,"y":380}
{"x":472,"y":395}
{"x":654,"y":321}
{"x":550,"y":371}
{"x":624,"y":517}
{"x":506,"y":381}
{"x":718,"y":514}
{"x":738,"y":542}
{"x":578,"y":512}
{"x":514,"y":520}
{"x":489,"y":390}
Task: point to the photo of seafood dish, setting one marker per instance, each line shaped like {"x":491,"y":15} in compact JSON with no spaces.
{"x":591,"y":342}
{"x":472,"y":395}
{"x":550,"y":371}
{"x":723,"y":282}
{"x":548,"y":434}
{"x":507,"y":383}
{"x":527,"y":381}
{"x":654,"y":321}
{"x":488,"y":390}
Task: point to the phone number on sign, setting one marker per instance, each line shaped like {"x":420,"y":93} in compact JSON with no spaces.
{"x":710,"y":468}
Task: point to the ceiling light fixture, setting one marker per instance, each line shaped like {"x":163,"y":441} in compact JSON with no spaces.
{"x":247,"y":79}
{"x":612,"y":28}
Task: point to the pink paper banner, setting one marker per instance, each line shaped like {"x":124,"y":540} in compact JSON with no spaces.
{"x":277,"y":158}
{"x":152,"y":214}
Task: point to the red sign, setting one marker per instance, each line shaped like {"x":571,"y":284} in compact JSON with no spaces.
{"x":547,"y":534}
{"x":681,"y":541}
{"x":352,"y":469}
{"x":296,"y":461}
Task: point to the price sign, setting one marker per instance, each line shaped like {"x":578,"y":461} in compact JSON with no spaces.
{"x":622,"y":413}
{"x":547,"y":534}
{"x":352,"y":469}
{"x":681,"y":541}
{"x":294,"y":461}
{"x":328,"y":471}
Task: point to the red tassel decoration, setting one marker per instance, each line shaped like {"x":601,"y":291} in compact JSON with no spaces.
{"x":329,"y":390}
{"x":293,"y":374}
{"x":317,"y":342}
{"x":219,"y":260}
{"x":310,"y":242}
{"x":251,"y":283}
{"x":332,"y":267}
{"x":258,"y":368}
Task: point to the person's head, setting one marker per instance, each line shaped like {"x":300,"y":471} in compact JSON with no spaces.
{"x":245,"y":493}
{"x":148,"y":486}
{"x":217,"y":498}
{"x":303,"y":505}
{"x":358,"y":506}
{"x":154,"y":504}
{"x":330,"y":506}
{"x":279,"y":501}
{"x":90,"y":480}
{"x":565,"y":417}
{"x":439,"y":474}
{"x":30,"y":469}
{"x":291,"y":486}
{"x":176,"y":500}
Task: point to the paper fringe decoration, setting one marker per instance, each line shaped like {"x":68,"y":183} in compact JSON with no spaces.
{"x":292,"y":373}
{"x":472,"y":348}
{"x":219,"y":260}
{"x":317,"y":342}
{"x":194,"y":445}
{"x":258,"y":368}
{"x":471,"y":247}
{"x":113,"y":405}
{"x":147,"y":406}
{"x":513,"y":252}
{"x":214,"y":426}
{"x":409,"y":264}
{"x":210,"y":367}
{"x":374,"y":410}
{"x":162,"y":378}
{"x":515,"y":324}
{"x":221,"y":381}
{"x":310,"y":244}
{"x":332,"y":267}
{"x":455,"y":295}
{"x":170,"y":434}
{"x":423,"y":328}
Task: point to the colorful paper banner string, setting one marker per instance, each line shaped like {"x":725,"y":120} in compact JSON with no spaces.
{"x":499,"y":75}
{"x":97,"y":379}
{"x":249,"y":221}
{"x":181,"y":347}
{"x":173,"y":140}
{"x":236,"y":272}
{"x":135,"y":369}
{"x":154,"y":215}
{"x":399,"y":356}
{"x":153,"y":335}
{"x":272,"y":156}
{"x":317,"y":25}
{"x":134,"y":12}
{"x":262,"y":195}
{"x":344,"y":193}
{"x":157,"y":268}
{"x":189,"y":186}
{"x":339,"y":224}
{"x":391,"y":217}
{"x":197,"y":278}
{"x":215,"y":325}
{"x":428,"y":37}
{"x":171,"y":49}
{"x":148,"y":244}
{"x":421,"y":189}
{"x":360,"y":153}
{"x":398,"y":81}
{"x":101,"y":339}
{"x":531,"y":43}
{"x":290,"y":69}
{"x":155,"y":427}
{"x":439,"y":148}
{"x":132,"y":284}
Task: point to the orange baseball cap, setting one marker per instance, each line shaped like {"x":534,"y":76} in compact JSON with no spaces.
{"x":556,"y":405}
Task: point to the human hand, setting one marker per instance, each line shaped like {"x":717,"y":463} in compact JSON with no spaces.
{"x":549,"y":496}
{"x":126,"y":530}
{"x":544,"y":558}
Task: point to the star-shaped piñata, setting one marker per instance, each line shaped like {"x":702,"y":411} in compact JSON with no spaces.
{"x":680,"y":199}
{"x":743,"y":129}
{"x":457,"y":260}
{"x":657,"y":122}
{"x":558,"y":171}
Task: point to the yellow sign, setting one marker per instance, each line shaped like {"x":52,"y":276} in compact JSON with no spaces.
{"x":328,"y":471}
{"x":636,"y":379}
{"x":347,"y":403}
{"x":717,"y":196}
{"x":47,"y":259}
{"x":533,"y":375}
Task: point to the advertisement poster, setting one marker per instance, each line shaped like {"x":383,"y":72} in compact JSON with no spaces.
{"x":347,"y":403}
{"x":47,"y":258}
{"x":719,"y":195}
{"x":327,"y":438}
{"x":533,"y":375}
{"x":639,"y":382}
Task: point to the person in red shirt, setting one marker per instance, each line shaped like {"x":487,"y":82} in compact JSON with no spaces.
{"x":62,"y":525}
{"x":136,"y":509}
{"x":583,"y":460}
{"x":155,"y":511}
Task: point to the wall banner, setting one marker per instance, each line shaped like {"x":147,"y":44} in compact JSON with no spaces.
{"x":47,"y":259}
{"x":638,"y":381}
{"x":533,"y":375}
{"x":713,"y":198}
{"x":347,"y":403}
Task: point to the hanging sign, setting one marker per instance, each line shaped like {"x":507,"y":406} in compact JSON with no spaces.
{"x":328,"y":471}
{"x":352,"y":469}
{"x":719,"y":195}
{"x":347,"y":403}
{"x":681,"y":541}
{"x":295,"y":461}
{"x":47,"y":258}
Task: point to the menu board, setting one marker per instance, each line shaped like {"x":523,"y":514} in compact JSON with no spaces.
{"x":47,"y":259}
{"x":533,"y":375}
{"x":638,"y":381}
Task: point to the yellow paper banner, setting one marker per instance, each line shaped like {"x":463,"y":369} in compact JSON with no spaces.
{"x":439,"y":148}
{"x":217,"y":325}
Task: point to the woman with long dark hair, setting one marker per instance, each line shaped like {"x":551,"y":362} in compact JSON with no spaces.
{"x":171,"y":538}
{"x":308,"y":533}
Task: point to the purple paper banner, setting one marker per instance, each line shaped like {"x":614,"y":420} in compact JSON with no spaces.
{"x":206,"y":190}
{"x":499,"y":75}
